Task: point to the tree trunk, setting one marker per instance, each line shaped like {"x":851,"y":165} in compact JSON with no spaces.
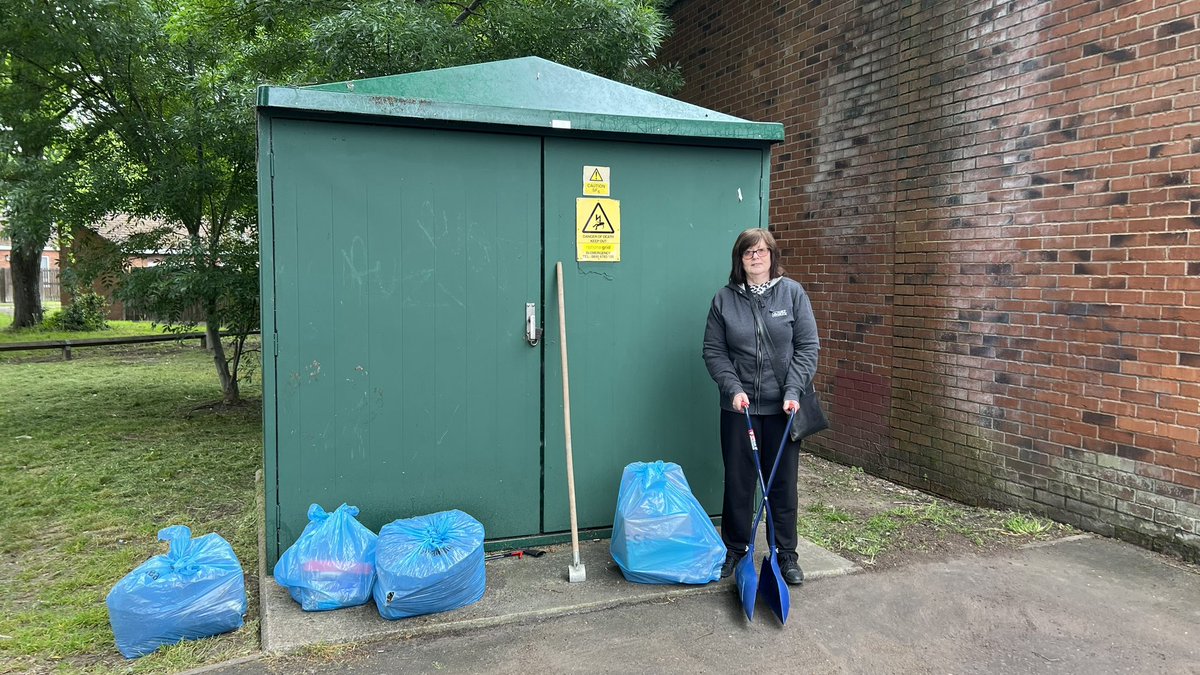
{"x":27,"y":286}
{"x":229,"y":383}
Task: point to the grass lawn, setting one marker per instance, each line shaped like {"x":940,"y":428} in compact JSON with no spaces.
{"x":96,"y":455}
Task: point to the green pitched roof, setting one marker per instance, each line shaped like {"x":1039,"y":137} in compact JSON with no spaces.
{"x":526,"y":92}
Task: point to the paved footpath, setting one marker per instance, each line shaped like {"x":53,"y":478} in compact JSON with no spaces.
{"x":1083,"y":605}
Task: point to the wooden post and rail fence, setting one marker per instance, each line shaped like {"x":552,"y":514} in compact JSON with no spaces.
{"x":67,"y":345}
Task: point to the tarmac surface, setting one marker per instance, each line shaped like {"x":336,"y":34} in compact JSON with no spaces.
{"x":1079,"y":605}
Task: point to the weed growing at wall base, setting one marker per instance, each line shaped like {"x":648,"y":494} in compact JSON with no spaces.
{"x":1021,"y":524}
{"x":883,"y":525}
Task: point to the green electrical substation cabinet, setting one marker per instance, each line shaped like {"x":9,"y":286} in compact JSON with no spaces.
{"x":410,"y":227}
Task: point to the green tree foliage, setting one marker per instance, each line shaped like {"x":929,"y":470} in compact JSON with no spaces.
{"x":88,"y":312}
{"x":306,"y":41}
{"x":158,"y":98}
{"x":164,"y":131}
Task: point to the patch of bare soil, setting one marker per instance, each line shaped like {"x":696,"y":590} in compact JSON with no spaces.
{"x":882,"y":525}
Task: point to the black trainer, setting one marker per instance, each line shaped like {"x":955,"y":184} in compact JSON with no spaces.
{"x":731,"y":561}
{"x":792,"y":574}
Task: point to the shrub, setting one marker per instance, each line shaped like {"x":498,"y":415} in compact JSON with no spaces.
{"x":87,"y":311}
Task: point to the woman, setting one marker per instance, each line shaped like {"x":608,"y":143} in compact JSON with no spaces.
{"x":760,"y":346}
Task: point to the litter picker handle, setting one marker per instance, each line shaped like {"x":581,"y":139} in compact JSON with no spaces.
{"x":757,"y":470}
{"x":750,"y":429}
{"x":782,"y":445}
{"x":754,"y":452}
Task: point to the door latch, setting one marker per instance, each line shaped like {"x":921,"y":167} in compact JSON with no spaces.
{"x":533,"y":334}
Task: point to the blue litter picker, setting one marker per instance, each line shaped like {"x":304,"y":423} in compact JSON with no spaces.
{"x":774,"y":589}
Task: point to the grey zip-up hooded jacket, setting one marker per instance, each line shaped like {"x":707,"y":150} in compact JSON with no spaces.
{"x":770,"y":364}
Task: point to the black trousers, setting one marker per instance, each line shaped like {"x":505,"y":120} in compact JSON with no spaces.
{"x":741,"y":480}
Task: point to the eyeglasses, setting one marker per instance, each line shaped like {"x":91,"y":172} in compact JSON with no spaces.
{"x":750,"y":254}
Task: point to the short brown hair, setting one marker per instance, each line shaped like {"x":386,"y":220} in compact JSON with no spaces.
{"x":746,"y":240}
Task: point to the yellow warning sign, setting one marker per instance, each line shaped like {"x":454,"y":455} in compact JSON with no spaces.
{"x":595,"y":180}
{"x":597,"y":230}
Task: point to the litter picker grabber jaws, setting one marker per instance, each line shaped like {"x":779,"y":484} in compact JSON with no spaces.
{"x":576,"y":571}
{"x":777,"y":594}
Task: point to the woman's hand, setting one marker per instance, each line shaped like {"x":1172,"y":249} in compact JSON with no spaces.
{"x":790,"y":407}
{"x":741,"y":402}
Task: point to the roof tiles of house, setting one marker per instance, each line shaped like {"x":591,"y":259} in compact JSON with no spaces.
{"x":121,"y":227}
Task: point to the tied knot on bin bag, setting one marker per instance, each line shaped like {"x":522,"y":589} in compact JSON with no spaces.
{"x":436,"y":537}
{"x":661,"y":534}
{"x":316,"y":514}
{"x":179,"y":550}
{"x":656,"y":492}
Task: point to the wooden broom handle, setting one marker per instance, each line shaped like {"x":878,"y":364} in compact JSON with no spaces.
{"x":562,"y":341}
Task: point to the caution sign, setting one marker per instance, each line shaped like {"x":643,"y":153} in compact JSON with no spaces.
{"x":595,"y":180}
{"x":597,"y":230}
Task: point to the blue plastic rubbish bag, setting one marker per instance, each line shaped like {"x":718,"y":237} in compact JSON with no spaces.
{"x":195,"y":590}
{"x":661,"y":534}
{"x":332,"y":563}
{"x":428,"y":564}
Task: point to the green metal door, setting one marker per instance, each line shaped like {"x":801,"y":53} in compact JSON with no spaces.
{"x":639,"y":389}
{"x":402,"y":263}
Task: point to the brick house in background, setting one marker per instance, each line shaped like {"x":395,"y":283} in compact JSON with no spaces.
{"x":102,"y":241}
{"x":995,"y":206}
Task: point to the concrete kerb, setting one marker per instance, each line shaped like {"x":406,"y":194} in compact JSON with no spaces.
{"x":518,"y":590}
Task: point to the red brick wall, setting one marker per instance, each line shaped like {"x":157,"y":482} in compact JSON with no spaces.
{"x":87,"y":244}
{"x":996,"y":208}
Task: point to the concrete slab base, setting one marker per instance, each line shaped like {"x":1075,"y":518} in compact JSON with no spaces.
{"x":517,"y":590}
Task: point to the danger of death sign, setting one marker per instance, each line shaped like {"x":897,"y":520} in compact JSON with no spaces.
{"x":597,"y":230}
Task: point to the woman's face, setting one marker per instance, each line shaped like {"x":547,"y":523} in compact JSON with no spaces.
{"x":756,"y":260}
